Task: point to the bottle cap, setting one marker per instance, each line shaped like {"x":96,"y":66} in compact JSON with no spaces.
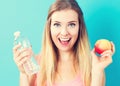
{"x":16,"y":34}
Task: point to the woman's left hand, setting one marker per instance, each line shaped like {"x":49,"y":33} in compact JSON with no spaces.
{"x":101,"y":62}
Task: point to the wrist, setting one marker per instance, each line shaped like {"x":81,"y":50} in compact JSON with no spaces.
{"x":98,"y":71}
{"x":97,"y":78}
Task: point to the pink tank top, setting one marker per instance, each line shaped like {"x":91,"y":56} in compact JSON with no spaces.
{"x":75,"y":82}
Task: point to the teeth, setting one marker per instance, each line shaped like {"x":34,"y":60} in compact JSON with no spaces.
{"x":64,"y":39}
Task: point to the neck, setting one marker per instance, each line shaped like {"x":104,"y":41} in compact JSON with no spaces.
{"x":66,"y":56}
{"x":66,"y":69}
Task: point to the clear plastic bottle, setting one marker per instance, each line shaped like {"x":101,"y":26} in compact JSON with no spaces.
{"x":30,"y":66}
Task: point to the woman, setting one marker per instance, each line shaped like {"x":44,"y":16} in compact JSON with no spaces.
{"x":65,"y":59}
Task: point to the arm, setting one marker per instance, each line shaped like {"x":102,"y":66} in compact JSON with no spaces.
{"x":98,"y":78}
{"x":99,"y":64}
{"x":20,"y":57}
{"x":26,"y":80}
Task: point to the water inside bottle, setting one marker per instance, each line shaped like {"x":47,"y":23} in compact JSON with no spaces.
{"x":31,"y":66}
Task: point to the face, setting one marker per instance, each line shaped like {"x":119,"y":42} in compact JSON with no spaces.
{"x":64,"y":29}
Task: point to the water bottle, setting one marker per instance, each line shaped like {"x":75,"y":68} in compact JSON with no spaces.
{"x":30,"y":66}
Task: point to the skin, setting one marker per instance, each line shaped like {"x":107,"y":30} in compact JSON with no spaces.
{"x":64,"y":27}
{"x":64,"y":32}
{"x":99,"y":64}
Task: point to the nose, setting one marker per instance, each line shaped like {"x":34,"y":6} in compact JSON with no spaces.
{"x":64,"y":31}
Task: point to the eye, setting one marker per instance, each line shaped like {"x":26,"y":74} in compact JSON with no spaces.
{"x":56,"y":25}
{"x":71,"y":25}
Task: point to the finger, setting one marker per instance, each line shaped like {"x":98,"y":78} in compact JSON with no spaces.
{"x":22,"y":61}
{"x":24,"y":54}
{"x":107,"y":59}
{"x":16,"y":47}
{"x":21,"y":56}
{"x":94,"y":56}
{"x":107,"y":52}
{"x":113,"y":47}
{"x":17,"y":53}
{"x":105,"y":55}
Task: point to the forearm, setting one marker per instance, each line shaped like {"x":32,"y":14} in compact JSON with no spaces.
{"x":98,"y":78}
{"x":26,"y":80}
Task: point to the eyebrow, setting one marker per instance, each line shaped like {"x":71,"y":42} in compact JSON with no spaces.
{"x":71,"y":21}
{"x":56,"y":21}
{"x":68,"y":22}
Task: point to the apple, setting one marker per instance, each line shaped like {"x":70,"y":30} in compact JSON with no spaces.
{"x":102,"y":45}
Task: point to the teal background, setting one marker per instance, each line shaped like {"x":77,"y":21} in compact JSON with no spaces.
{"x":102,"y":18}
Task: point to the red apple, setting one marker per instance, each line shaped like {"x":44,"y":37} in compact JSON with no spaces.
{"x":102,"y":45}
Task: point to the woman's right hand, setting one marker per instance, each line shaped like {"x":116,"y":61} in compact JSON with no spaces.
{"x":21,"y":56}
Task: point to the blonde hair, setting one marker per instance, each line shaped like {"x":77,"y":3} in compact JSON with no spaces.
{"x":48,"y":62}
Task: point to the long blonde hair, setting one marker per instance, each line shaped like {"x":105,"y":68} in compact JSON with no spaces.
{"x":48,"y":62}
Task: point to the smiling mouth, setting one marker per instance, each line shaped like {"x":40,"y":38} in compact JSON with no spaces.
{"x":64,"y":41}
